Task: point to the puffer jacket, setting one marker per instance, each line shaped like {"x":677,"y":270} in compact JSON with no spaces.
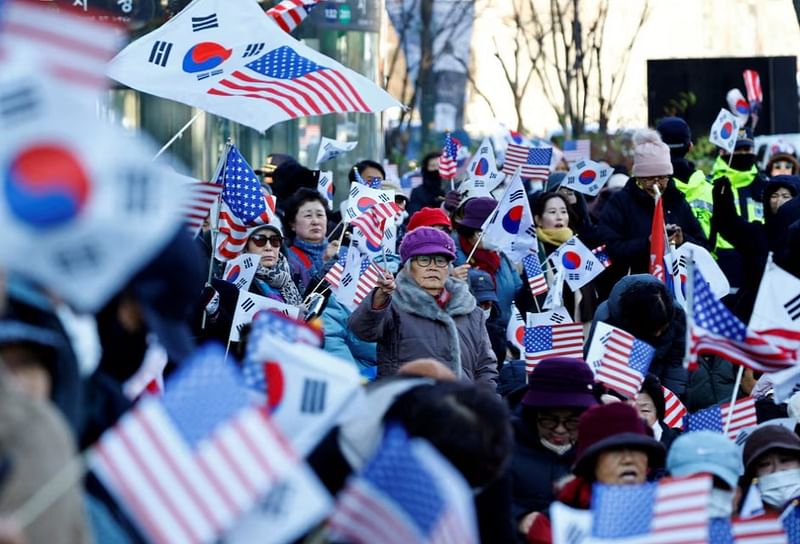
{"x":412,"y":326}
{"x":343,"y":343}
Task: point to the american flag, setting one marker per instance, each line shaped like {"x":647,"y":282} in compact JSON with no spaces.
{"x":533,"y":271}
{"x":625,"y":363}
{"x":298,"y":86}
{"x":758,"y":530}
{"x":373,"y":183}
{"x":74,"y":49}
{"x":407,"y":493}
{"x":334,"y":274}
{"x":674,"y":409}
{"x":714,"y":418}
{"x":602,"y":255}
{"x":371,"y":229}
{"x":714,"y":329}
{"x":670,"y":511}
{"x":284,"y":327}
{"x":201,"y":197}
{"x":575,"y":150}
{"x":188,"y":464}
{"x":368,"y":278}
{"x":290,"y":13}
{"x":752,"y":84}
{"x":534,"y":161}
{"x":385,"y":210}
{"x":564,"y":340}
{"x":791,"y":522}
{"x":448,"y":158}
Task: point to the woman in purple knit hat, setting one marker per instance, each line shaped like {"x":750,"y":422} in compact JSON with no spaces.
{"x":425,"y":313}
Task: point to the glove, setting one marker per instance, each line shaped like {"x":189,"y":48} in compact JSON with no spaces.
{"x":722,"y":193}
{"x":210,"y":299}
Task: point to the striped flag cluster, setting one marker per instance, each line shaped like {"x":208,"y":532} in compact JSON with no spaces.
{"x":625,"y":363}
{"x":370,"y":227}
{"x":764,"y":529}
{"x":564,"y":340}
{"x":714,"y":418}
{"x":188,"y":464}
{"x":714,"y":329}
{"x":602,"y":255}
{"x":449,"y":157}
{"x":368,"y":277}
{"x":670,"y":511}
{"x":576,"y":150}
{"x":752,"y":85}
{"x":334,"y":274}
{"x":533,"y":271}
{"x":674,"y":409}
{"x":290,"y":13}
{"x":198,"y":203}
{"x":534,"y":162}
{"x":407,"y":493}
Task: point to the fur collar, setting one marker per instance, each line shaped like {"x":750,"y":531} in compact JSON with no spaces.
{"x":411,"y":298}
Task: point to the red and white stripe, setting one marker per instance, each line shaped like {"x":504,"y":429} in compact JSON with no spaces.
{"x":680,"y":513}
{"x":290,"y":13}
{"x":334,"y":275}
{"x":537,"y":284}
{"x":744,"y":415}
{"x":583,"y":150}
{"x":233,"y":234}
{"x":614,"y":370}
{"x":198,"y":203}
{"x":183,"y":495}
{"x":367,"y":282}
{"x":754,"y":352}
{"x":758,"y":530}
{"x":517,"y":156}
{"x":72,"y":48}
{"x":371,"y":226}
{"x":316,"y":93}
{"x":752,"y":84}
{"x":567,"y":341}
{"x":674,"y":409}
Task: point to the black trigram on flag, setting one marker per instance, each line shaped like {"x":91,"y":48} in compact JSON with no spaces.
{"x":588,"y":266}
{"x":516,"y":195}
{"x":240,"y":283}
{"x":793,"y":307}
{"x":347,"y":280}
{"x":79,"y":259}
{"x":574,"y":276}
{"x":274,"y":504}
{"x":354,"y":191}
{"x":204,"y":23}
{"x":18,"y":102}
{"x":383,"y":197}
{"x":159,"y":54}
{"x":206,"y":75}
{"x":313,"y":401}
{"x":557,"y":318}
{"x":248,"y":263}
{"x":137,"y":191}
{"x":247,"y":304}
{"x":253,"y":49}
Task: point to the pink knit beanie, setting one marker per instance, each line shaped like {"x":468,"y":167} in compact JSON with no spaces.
{"x":650,"y":155}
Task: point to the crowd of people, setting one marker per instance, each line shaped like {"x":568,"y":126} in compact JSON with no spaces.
{"x":430,"y":342}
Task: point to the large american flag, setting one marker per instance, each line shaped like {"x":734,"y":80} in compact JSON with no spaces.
{"x":764,"y":529}
{"x":576,"y":150}
{"x":448,"y":158}
{"x":406,"y":493}
{"x":533,"y":161}
{"x":714,"y":418}
{"x":565,"y":340}
{"x":370,"y":228}
{"x":625,"y":363}
{"x":714,"y":329}
{"x":533,"y":271}
{"x":670,"y":511}
{"x":188,"y":464}
{"x":674,"y":409}
{"x":290,"y":13}
{"x":198,"y":202}
{"x":298,"y":86}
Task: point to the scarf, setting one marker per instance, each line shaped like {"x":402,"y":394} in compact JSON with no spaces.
{"x":279,"y":278}
{"x":314,"y":251}
{"x":554,"y":237}
{"x":482,"y":259}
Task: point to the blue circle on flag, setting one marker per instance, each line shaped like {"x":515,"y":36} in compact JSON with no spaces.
{"x":587,"y":177}
{"x":204,"y":56}
{"x":571,"y":260}
{"x":742,"y":107}
{"x":512,"y":219}
{"x":233,"y":273}
{"x":46,"y":186}
{"x":482,"y":168}
{"x":727,"y":130}
{"x":364,"y":203}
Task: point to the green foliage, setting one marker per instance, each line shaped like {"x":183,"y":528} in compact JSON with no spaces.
{"x":703,"y":154}
{"x":677,"y":107}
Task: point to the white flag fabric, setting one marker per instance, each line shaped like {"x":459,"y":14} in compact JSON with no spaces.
{"x":510,"y":227}
{"x":587,"y":177}
{"x":329,"y":149}
{"x":707,"y":265}
{"x":555,"y":293}
{"x":307,"y":389}
{"x":725,"y":130}
{"x":248,"y":304}
{"x":776,"y":314}
{"x":362,"y":198}
{"x":241,"y":270}
{"x":227,"y":58}
{"x":325,"y":186}
{"x":515,"y":330}
{"x":556,"y":316}
{"x":597,"y":348}
{"x":578,"y":263}
{"x":482,"y":174}
{"x":570,"y":525}
{"x":738,"y":105}
{"x":83,"y":206}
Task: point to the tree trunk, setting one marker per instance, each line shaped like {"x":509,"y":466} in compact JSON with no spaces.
{"x":427,"y":84}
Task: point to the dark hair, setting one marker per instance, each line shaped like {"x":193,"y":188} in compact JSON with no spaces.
{"x":645,"y":307}
{"x":363,"y":165}
{"x":468,"y":424}
{"x":652,"y":386}
{"x":542,"y":198}
{"x":300,"y":197}
{"x":466,"y":232}
{"x":427,"y":158}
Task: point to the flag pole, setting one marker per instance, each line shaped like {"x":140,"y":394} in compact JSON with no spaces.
{"x":178,"y":134}
{"x":687,"y":359}
{"x":322,"y":280}
{"x":215,"y":226}
{"x":736,"y":385}
{"x":472,"y":252}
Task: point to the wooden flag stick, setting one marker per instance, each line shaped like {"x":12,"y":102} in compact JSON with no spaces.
{"x":477,"y":243}
{"x":736,"y":385}
{"x":178,"y":134}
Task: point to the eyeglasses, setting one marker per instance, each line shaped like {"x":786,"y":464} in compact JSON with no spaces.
{"x":439,"y":261}
{"x":259,"y":240}
{"x":783,"y":165}
{"x":654,"y":179}
{"x":552,"y":422}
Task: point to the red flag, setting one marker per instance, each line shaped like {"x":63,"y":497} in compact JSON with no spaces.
{"x":658,"y":243}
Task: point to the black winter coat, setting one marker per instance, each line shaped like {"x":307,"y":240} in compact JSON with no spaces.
{"x":627,"y":220}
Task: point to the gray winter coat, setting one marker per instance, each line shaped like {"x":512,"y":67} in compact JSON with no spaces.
{"x":413,"y":325}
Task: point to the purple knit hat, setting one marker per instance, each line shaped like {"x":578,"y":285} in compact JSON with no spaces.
{"x":476,"y":210}
{"x":426,"y":241}
{"x":560,"y":382}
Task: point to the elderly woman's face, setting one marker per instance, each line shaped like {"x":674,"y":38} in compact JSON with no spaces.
{"x":267,"y":244}
{"x":558,"y":426}
{"x":646,"y":408}
{"x":621,"y":466}
{"x":775,"y":461}
{"x":310,"y":222}
{"x":430,"y":272}
{"x":778,"y":199}
{"x":649,"y":184}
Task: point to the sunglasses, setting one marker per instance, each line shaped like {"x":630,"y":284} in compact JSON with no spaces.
{"x":259,"y":240}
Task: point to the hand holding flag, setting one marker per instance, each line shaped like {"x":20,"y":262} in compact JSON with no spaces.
{"x":448,"y":158}
{"x":510,"y":227}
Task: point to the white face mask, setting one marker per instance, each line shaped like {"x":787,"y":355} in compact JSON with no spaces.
{"x":657,"y":430}
{"x":720,"y":503}
{"x":556,"y":448}
{"x":780,"y":487}
{"x":487,"y":312}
